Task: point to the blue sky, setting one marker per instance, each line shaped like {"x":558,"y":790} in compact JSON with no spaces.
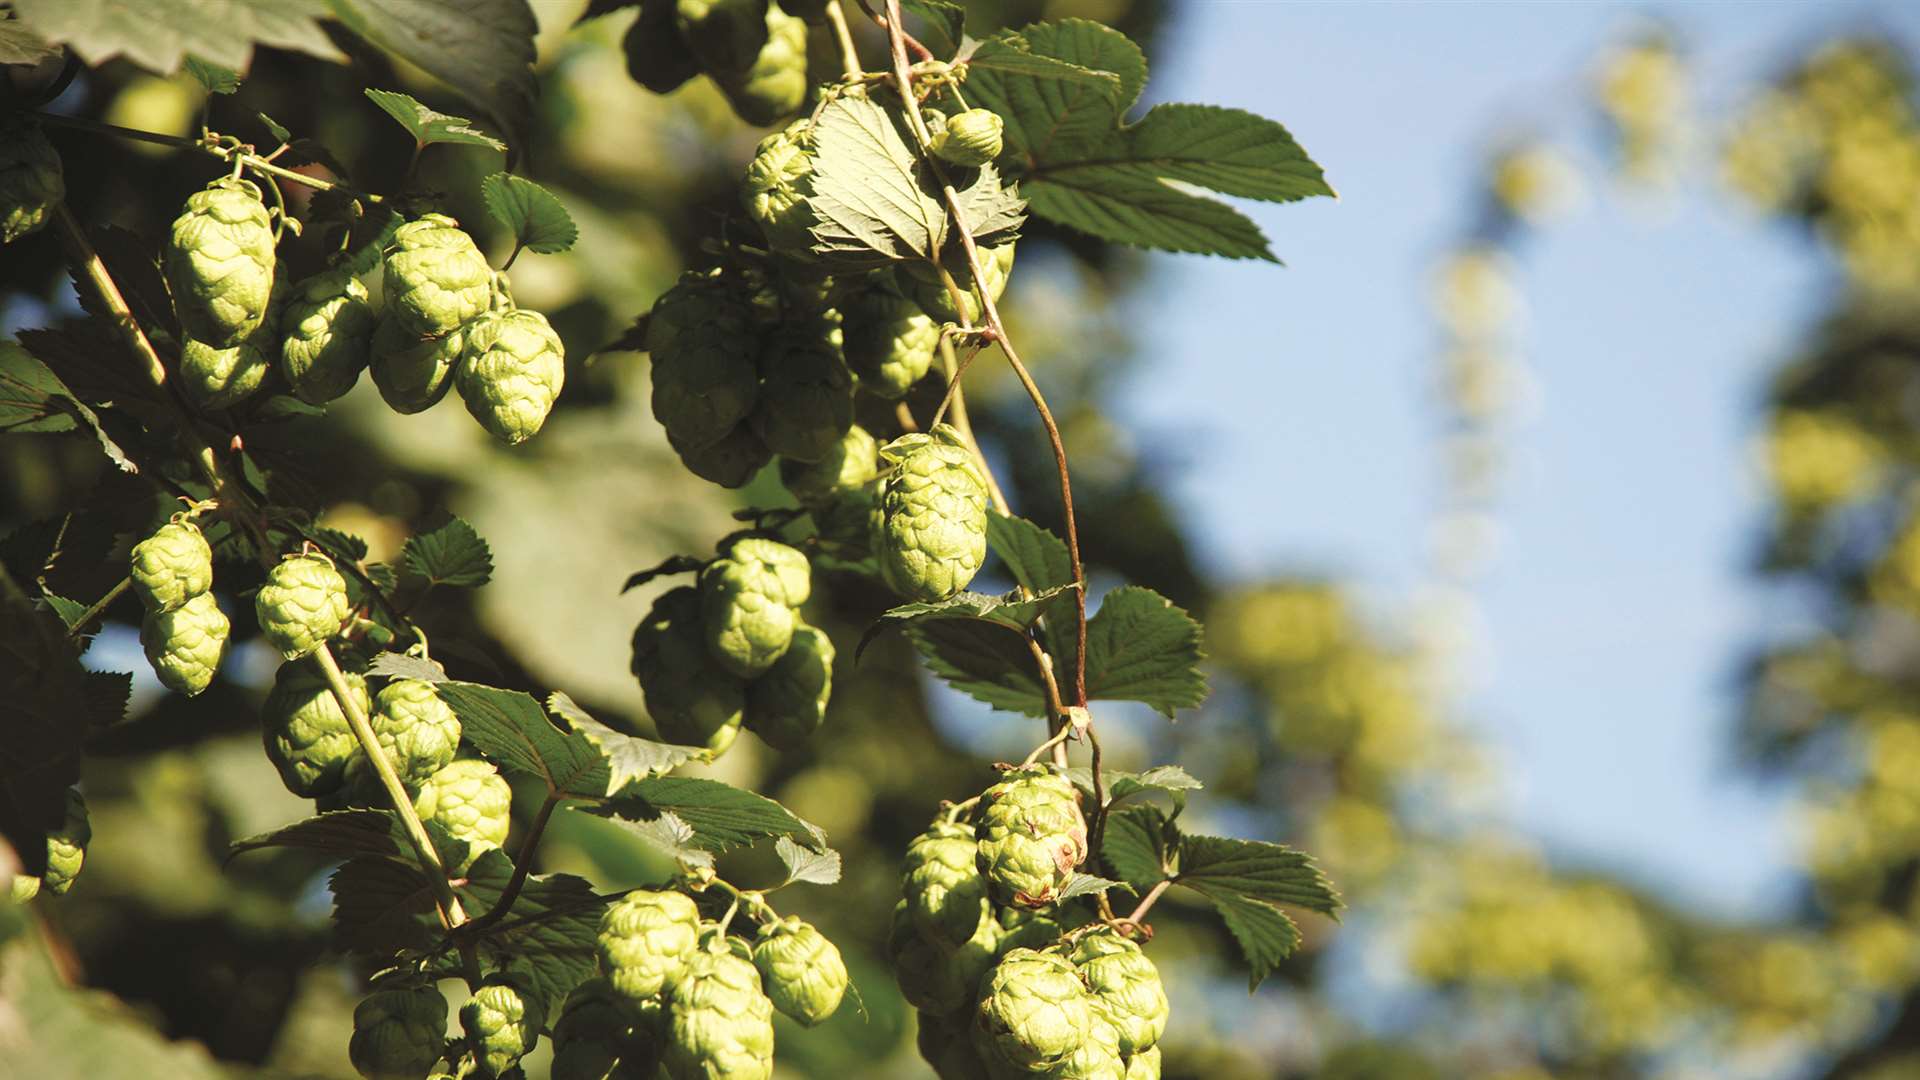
{"x":1621,"y":602}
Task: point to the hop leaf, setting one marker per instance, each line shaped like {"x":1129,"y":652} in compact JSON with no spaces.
{"x":1125,"y":986}
{"x":646,"y":941}
{"x":172,"y":566}
{"x":436,"y":279}
{"x":749,"y":604}
{"x":933,"y":515}
{"x":326,"y":336}
{"x":185,"y":645}
{"x":467,"y":808}
{"x":219,"y":263}
{"x":945,"y":893}
{"x":306,"y":733}
{"x":412,"y":373}
{"x":1031,"y":836}
{"x":788,"y":702}
{"x":502,"y":1025}
{"x":693,"y":701}
{"x":66,"y":851}
{"x":720,"y":1021}
{"x":511,"y":372}
{"x":398,"y":1034}
{"x":31,"y":179}
{"x":1033,"y":1013}
{"x":803,"y":973}
{"x":303,"y":603}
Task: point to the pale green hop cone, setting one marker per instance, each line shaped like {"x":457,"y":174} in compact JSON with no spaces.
{"x":699,"y":300}
{"x":511,"y":372}
{"x":735,"y":459}
{"x":467,"y":808}
{"x":436,"y":279}
{"x":306,"y":734}
{"x":1031,"y":836}
{"x":418,"y":731}
{"x":1144,"y":1065}
{"x":775,"y":85}
{"x":31,"y":179}
{"x":888,"y":341}
{"x":923,"y":283}
{"x":970,"y":138}
{"x":219,"y":263}
{"x":412,"y":373}
{"x":806,"y":398}
{"x":172,"y":566}
{"x":788,"y":702}
{"x":645,"y":942}
{"x":802,"y":971}
{"x":502,"y":1025}
{"x":185,"y":645}
{"x":693,"y":700}
{"x":750,"y":601}
{"x":302,"y":605}
{"x":720,"y":1021}
{"x":944,"y":890}
{"x":1098,"y":1058}
{"x":775,"y":191}
{"x":215,"y":378}
{"x":933,"y":515}
{"x":1033,"y":1012}
{"x":947,"y":1045}
{"x":852,"y":463}
{"x":1125,"y":986}
{"x":595,"y":1027}
{"x":326,"y":336}
{"x":66,"y":852}
{"x":398,"y":1034}
{"x":939,"y":980}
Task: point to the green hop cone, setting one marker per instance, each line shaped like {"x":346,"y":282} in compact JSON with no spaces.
{"x":852,"y":463}
{"x":418,"y":731}
{"x":657,"y":56}
{"x":775,"y":85}
{"x":926,"y":288}
{"x":66,"y":851}
{"x":303,"y":603}
{"x":945,"y":893}
{"x":436,"y":279}
{"x":803,"y":973}
{"x":603,"y":1035}
{"x":697,"y":301}
{"x":806,"y":398}
{"x":1098,"y":1058}
{"x":1026,"y":928}
{"x":646,"y":940}
{"x":412,"y":373}
{"x":750,"y":603}
{"x":219,"y":263}
{"x":326,"y":336}
{"x":725,"y":35}
{"x":398,"y":1034}
{"x":215,"y":378}
{"x":947,"y":1045}
{"x":933,"y":515}
{"x":1125,"y":986}
{"x":720,"y":1024}
{"x":172,"y":566}
{"x":185,"y":645}
{"x":511,"y":372}
{"x":1144,"y":1065}
{"x":969,"y":138}
{"x":737,"y":458}
{"x":1031,"y":836}
{"x":776,"y":188}
{"x":705,"y":383}
{"x":692,"y":699}
{"x":788,"y":703}
{"x":467,"y":808}
{"x":306,"y":733}
{"x":940,"y":981}
{"x":502,"y":1025}
{"x":31,"y":180}
{"x":1033,"y":1012}
{"x":888,"y":341}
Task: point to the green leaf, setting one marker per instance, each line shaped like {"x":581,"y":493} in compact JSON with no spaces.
{"x":107,"y":693}
{"x":629,"y":757}
{"x":158,"y":34}
{"x":1134,"y":845}
{"x":1266,"y":935}
{"x":532,"y":213}
{"x":381,"y":905}
{"x":32,"y":397}
{"x":41,"y":691}
{"x":983,"y":661}
{"x":1038,"y":560}
{"x":511,"y":729}
{"x":873,"y":205}
{"x":1053,"y":112}
{"x":343,"y":833}
{"x":428,"y":126}
{"x":546,"y":939}
{"x":1169,"y":779}
{"x":721,"y":816}
{"x":20,"y":45}
{"x":667,"y":834}
{"x":943,"y":25}
{"x":69,"y":611}
{"x":395,"y":665}
{"x":1011,"y":612}
{"x":217,"y":79}
{"x":1088,"y":885}
{"x":807,"y":865}
{"x":1140,"y":647}
{"x":1147,"y":212}
{"x":672,"y":564}
{"x":452,"y":554}
{"x":275,"y":129}
{"x":483,"y":49}
{"x":1245,"y":880}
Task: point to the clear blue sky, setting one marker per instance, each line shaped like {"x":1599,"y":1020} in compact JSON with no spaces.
{"x":1622,"y":601}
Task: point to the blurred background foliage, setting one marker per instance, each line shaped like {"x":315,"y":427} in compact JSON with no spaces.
{"x":1466,"y":951}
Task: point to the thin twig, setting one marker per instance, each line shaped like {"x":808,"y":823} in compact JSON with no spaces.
{"x":1146,"y":902}
{"x":80,"y":625}
{"x":528,"y":845}
{"x":843,"y":37}
{"x":238,"y":155}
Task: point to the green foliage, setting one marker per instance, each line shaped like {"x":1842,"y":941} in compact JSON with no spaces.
{"x":530,"y":212}
{"x":161,"y":35}
{"x":428,"y":126}
{"x":452,"y":554}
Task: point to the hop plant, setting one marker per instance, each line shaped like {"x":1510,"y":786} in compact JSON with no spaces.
{"x":1033,"y":1013}
{"x":803,"y":973}
{"x":418,"y":731}
{"x":933,"y":515}
{"x":849,"y":465}
{"x":774,"y":85}
{"x":219,"y":263}
{"x":185,"y":645}
{"x":692,"y":699}
{"x":945,"y":892}
{"x":398,"y":1034}
{"x":510,"y":372}
{"x":31,"y":179}
{"x":788,"y":702}
{"x":412,"y":373}
{"x":750,"y":601}
{"x":1031,"y":836}
{"x":502,"y":1025}
{"x":1125,"y":986}
{"x":720,"y":1023}
{"x":698,"y":301}
{"x":926,"y":288}
{"x":775,"y":192}
{"x":806,"y":399}
{"x":303,"y":603}
{"x":726,"y":35}
{"x":730,"y":462}
{"x":326,"y":336}
{"x":948,"y":1047}
{"x":704,"y":382}
{"x":657,"y":56}
{"x":66,"y":851}
{"x":603,"y":1036}
{"x":1026,"y":928}
{"x":467,"y":808}
{"x":1097,"y":1058}
{"x":436,"y":279}
{"x":307,"y":735}
{"x":888,"y":341}
{"x":969,"y":138}
{"x":939,"y":980}
{"x":1144,"y":1065}
{"x":172,"y":566}
{"x":646,"y":941}
{"x":215,"y":378}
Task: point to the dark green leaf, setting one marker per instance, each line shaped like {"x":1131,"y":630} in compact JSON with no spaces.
{"x":806,"y":865}
{"x":532,"y":213}
{"x":547,"y":939}
{"x":1134,"y":845}
{"x":483,"y":49}
{"x":512,"y":730}
{"x":1055,"y":112}
{"x":1146,"y":212}
{"x":428,"y":126}
{"x":381,"y":905}
{"x":42,"y":690}
{"x":69,"y":611}
{"x":1140,"y":647}
{"x":452,"y":554}
{"x":1171,"y":779}
{"x":1038,"y":560}
{"x":107,"y":694}
{"x":217,"y":79}
{"x":32,"y":397}
{"x":722,"y":816}
{"x":1266,"y":935}
{"x":983,"y":661}
{"x":943,"y":25}
{"x":158,"y":34}
{"x":395,"y":665}
{"x":342,"y":833}
{"x":629,"y":757}
{"x":673,"y":564}
{"x":1245,"y":880}
{"x":275,"y":129}
{"x":1087,"y":885}
{"x":1010,"y":612}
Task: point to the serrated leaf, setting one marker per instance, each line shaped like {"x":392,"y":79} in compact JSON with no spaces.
{"x":532,"y":213}
{"x":673,"y":564}
{"x":1140,"y":647}
{"x":1147,"y":212}
{"x":69,"y":611}
{"x":41,"y":686}
{"x":1053,"y":112}
{"x":873,"y":203}
{"x":667,"y":834}
{"x":1038,"y":560}
{"x":381,"y":905}
{"x":722,"y":816}
{"x":20,"y":45}
{"x":159,"y":34}
{"x":1170,"y":779}
{"x":342,"y":833}
{"x":1245,"y":880}
{"x":629,"y":757}
{"x":395,"y":665}
{"x":428,"y":126}
{"x":217,"y":79}
{"x":1266,"y":935}
{"x":511,"y":729}
{"x":1012,"y":612}
{"x":275,"y":128}
{"x":31,"y":395}
{"x":1134,"y":846}
{"x":107,"y":693}
{"x":806,"y":865}
{"x":983,"y":661}
{"x":483,"y":49}
{"x":547,"y":939}
{"x":943,"y":25}
{"x":452,"y":554}
{"x":1088,"y":885}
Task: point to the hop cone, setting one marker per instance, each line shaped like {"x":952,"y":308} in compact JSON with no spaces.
{"x":933,"y":515}
{"x":926,"y":288}
{"x":66,"y":851}
{"x":1033,"y":1012}
{"x":726,"y":35}
{"x":1098,"y":1058}
{"x":775,"y":191}
{"x":948,"y":1046}
{"x":657,"y":57}
{"x":185,"y":645}
{"x":511,"y":372}
{"x":31,"y":180}
{"x":172,"y":566}
{"x":1125,"y":987}
{"x":1144,"y":1065}
{"x":219,"y":263}
{"x":704,"y":383}
{"x":467,"y":808}
{"x":789,"y":702}
{"x":721,"y":1023}
{"x":749,"y":604}
{"x":775,"y":85}
{"x":804,"y":975}
{"x":1031,"y":836}
{"x":941,"y":981}
{"x":326,"y":336}
{"x":306,"y":734}
{"x":302,"y":604}
{"x":731,"y":462}
{"x":945,"y":893}
{"x":888,"y":341}
{"x":595,"y":1025}
{"x":969,"y":138}
{"x":1024,"y":928}
{"x":850,"y":464}
{"x":806,"y":399}
{"x":216,"y":378}
{"x":697,"y":301}
{"x":398,"y":1034}
{"x":412,"y":373}
{"x":646,"y":941}
{"x":502,"y":1025}
{"x":436,"y":279}
{"x":693,"y":701}
{"x":418,"y":731}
